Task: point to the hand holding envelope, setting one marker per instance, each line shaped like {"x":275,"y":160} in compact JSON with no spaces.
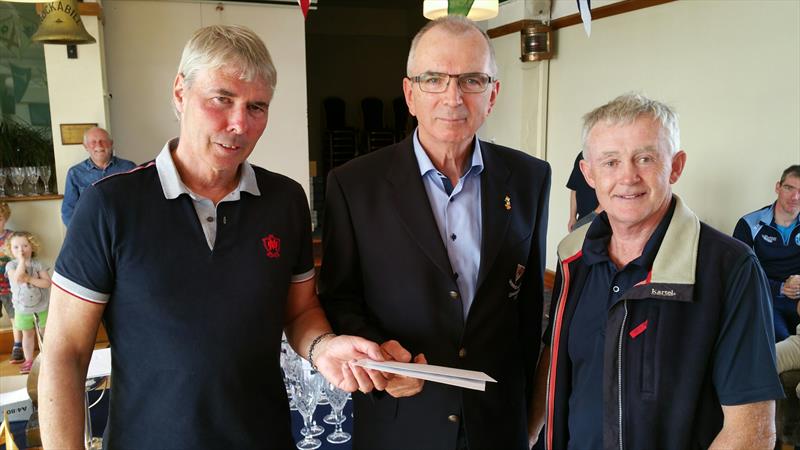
{"x":400,"y":386}
{"x":469,"y":379}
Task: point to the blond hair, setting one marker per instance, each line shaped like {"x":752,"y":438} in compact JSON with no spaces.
{"x":35,"y":246}
{"x":5,"y":211}
{"x":229,"y":46}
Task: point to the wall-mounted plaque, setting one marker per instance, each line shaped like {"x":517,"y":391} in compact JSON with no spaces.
{"x":72,"y":133}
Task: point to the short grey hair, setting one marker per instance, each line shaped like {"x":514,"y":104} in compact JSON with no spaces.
{"x":453,"y":25}
{"x":217,"y":46}
{"x":626,"y":108}
{"x":86,"y":134}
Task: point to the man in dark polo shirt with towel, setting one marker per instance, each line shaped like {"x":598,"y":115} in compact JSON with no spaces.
{"x":196,"y":263}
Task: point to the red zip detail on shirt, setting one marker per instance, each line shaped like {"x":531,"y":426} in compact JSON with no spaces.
{"x":135,"y":169}
{"x":646,"y":280}
{"x":638,"y":330}
{"x":554,"y":349}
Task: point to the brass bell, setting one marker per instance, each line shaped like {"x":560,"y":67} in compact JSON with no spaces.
{"x":61,"y":24}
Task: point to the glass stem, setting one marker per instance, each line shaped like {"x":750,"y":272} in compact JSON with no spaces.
{"x":307,"y":425}
{"x":339,"y":420}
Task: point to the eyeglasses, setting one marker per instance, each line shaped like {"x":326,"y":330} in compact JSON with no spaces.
{"x":469,"y":83}
{"x":788,"y":188}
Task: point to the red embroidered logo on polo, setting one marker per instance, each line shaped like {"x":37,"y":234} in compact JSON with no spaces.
{"x":272,"y":244}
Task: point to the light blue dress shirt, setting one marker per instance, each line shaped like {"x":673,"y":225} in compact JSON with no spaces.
{"x":457,"y":210}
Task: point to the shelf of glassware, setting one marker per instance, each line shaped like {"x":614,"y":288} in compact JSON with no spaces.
{"x":32,"y":198}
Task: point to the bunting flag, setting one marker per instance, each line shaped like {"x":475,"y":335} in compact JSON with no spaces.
{"x":459,"y":7}
{"x":585,"y":8}
{"x":304,"y":4}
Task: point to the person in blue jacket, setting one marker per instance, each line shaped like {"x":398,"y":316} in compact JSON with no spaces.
{"x":101,"y":163}
{"x":774,"y":234}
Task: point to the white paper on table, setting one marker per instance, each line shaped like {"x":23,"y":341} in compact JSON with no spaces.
{"x":469,"y":379}
{"x":14,"y":390}
{"x":100,"y":364}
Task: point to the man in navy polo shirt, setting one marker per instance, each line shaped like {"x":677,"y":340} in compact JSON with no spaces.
{"x":660,"y":333}
{"x":774,"y":234}
{"x":196,"y":263}
{"x":100,"y":164}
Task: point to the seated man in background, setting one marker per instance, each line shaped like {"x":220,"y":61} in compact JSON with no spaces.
{"x":774,"y":234}
{"x":788,"y":354}
{"x":100,"y":163}
{"x":682,"y":356}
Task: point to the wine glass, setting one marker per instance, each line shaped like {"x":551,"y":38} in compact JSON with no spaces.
{"x":3,"y":178}
{"x":292,"y":368}
{"x":44,"y":173}
{"x":306,"y":392}
{"x":17,"y":178}
{"x":337,"y":399}
{"x":331,"y":418}
{"x":314,"y":430}
{"x":32,"y":178}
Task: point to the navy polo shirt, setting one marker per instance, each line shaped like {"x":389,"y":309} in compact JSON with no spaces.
{"x":778,"y":253}
{"x":585,"y":197}
{"x":195,"y":331}
{"x":604,"y":286}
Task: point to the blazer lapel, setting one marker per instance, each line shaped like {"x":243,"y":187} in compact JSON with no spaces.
{"x":496,"y":217}
{"x":413,"y":207}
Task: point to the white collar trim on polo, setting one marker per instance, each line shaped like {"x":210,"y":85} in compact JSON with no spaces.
{"x":173,"y":187}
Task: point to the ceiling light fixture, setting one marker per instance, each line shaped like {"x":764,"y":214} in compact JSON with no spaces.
{"x":481,"y":9}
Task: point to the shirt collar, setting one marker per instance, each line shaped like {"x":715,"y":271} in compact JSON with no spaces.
{"x":768,"y":217}
{"x":595,"y":247}
{"x":173,"y":186}
{"x":89,"y":164}
{"x":426,"y":165}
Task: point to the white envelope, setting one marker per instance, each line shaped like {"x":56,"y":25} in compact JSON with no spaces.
{"x":469,"y":379}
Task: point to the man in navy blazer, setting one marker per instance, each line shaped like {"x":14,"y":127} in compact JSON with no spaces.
{"x":435,"y":247}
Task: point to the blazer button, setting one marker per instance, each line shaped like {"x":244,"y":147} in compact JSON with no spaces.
{"x":462,"y":353}
{"x":453,"y":418}
{"x":454,"y":295}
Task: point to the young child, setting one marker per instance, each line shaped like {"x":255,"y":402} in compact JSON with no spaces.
{"x":5,"y":289}
{"x":29,"y":290}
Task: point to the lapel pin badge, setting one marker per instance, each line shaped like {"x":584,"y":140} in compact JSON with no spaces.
{"x":507,"y":202}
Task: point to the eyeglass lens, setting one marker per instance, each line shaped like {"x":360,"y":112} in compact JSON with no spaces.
{"x":467,"y":82}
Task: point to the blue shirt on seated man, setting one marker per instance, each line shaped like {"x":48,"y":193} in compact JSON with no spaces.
{"x":100,"y":164}
{"x":774,"y":234}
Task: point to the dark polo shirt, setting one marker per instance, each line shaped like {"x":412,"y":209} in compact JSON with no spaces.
{"x":195,"y":332}
{"x":605,"y":285}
